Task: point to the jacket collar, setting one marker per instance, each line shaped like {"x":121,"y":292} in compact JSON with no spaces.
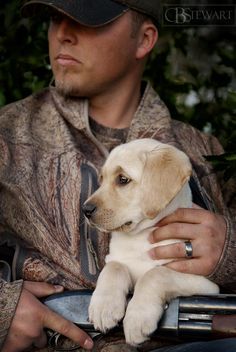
{"x":152,"y":118}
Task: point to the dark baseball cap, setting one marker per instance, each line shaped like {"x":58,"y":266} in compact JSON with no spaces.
{"x":92,"y":12}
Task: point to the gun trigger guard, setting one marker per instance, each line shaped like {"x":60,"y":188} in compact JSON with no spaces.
{"x":54,"y":342}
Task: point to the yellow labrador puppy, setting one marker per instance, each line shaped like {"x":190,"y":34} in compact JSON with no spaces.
{"x":141,"y":182}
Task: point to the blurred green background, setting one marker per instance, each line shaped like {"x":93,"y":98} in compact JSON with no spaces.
{"x":193,"y":70}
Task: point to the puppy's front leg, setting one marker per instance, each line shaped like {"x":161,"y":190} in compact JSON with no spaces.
{"x":152,"y":291}
{"x":108,"y":302}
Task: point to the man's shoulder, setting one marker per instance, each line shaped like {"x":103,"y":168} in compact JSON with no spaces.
{"x":182,"y":127}
{"x":192,"y":139}
{"x":185,"y":132}
{"x":23,"y":107}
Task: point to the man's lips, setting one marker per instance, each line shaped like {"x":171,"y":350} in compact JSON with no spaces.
{"x":66,"y":60}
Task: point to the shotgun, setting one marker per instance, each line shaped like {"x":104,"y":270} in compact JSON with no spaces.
{"x":188,"y":318}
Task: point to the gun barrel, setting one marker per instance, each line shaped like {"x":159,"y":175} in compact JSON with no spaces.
{"x":191,"y":328}
{"x":222,"y":304}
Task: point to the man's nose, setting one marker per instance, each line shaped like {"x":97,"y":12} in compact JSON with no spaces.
{"x":66,"y":31}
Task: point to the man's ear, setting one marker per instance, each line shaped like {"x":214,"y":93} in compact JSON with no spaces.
{"x":165,"y":172}
{"x":147,"y":39}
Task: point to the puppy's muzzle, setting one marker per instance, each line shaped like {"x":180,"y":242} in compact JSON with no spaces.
{"x":89,"y":209}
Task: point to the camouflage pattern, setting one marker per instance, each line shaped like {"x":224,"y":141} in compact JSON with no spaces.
{"x":49,"y":161}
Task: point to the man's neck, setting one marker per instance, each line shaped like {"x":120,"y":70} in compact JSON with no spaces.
{"x":115,"y":108}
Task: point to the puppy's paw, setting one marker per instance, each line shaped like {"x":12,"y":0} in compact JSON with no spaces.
{"x":141,"y":321}
{"x":106,"y":309}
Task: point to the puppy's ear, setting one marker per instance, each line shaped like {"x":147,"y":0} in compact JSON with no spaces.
{"x":165,"y":172}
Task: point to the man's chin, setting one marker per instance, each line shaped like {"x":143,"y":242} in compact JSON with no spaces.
{"x":71,"y":86}
{"x":67,"y":89}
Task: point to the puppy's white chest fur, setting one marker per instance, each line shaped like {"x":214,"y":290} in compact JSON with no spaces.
{"x":132,"y":249}
{"x":133,"y":252}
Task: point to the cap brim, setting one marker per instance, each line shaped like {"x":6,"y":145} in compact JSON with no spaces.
{"x":92,"y":13}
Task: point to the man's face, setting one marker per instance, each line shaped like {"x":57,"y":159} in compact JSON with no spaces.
{"x":87,"y":61}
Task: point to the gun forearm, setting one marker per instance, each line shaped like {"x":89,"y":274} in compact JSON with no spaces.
{"x":200,"y":317}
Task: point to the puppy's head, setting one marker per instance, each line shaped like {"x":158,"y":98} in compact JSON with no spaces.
{"x":138,"y":180}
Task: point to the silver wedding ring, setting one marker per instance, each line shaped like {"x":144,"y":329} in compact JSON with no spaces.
{"x":188,"y":249}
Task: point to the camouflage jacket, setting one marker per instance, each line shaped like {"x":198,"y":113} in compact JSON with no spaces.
{"x":49,"y":160}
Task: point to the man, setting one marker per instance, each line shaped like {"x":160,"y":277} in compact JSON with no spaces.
{"x":52,"y":146}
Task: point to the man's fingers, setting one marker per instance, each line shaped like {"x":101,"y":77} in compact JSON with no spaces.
{"x":176,"y":250}
{"x":57,"y":323}
{"x":24,"y":344}
{"x":42,"y":289}
{"x":41,"y":341}
{"x":186,"y":215}
{"x":191,"y":266}
{"x":54,"y":321}
{"x":205,"y":230}
{"x":176,"y":230}
{"x":11,"y":342}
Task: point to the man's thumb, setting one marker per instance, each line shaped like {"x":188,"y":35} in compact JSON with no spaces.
{"x":42,"y":289}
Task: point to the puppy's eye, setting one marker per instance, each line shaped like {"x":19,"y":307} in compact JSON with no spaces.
{"x":123,"y":180}
{"x":100,"y":178}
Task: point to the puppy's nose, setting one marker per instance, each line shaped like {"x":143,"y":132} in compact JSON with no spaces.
{"x":89,"y":209}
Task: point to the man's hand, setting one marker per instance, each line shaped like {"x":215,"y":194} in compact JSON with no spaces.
{"x":32,"y":316}
{"x":205,"y":230}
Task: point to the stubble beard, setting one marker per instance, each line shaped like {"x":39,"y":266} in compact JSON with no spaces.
{"x":67,"y":82}
{"x":74,"y":84}
{"x":66,"y":87}
{"x":73,"y":88}
{"x":69,"y":87}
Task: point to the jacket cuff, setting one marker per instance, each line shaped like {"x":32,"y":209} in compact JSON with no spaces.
{"x":9,"y":296}
{"x":225,"y":272}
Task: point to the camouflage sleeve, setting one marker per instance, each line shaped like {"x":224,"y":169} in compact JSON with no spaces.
{"x":225,"y":272}
{"x":9,"y":296}
{"x":9,"y":291}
